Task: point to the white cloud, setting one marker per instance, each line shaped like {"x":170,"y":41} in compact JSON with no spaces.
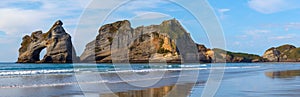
{"x":236,"y":43}
{"x":138,"y":4}
{"x":149,"y":15}
{"x":293,"y":25}
{"x":222,"y":12}
{"x":283,"y":37}
{"x":256,"y":32}
{"x":18,"y":21}
{"x":273,"y":6}
{"x":285,"y":26}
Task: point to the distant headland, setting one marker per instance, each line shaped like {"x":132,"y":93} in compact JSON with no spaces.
{"x":119,"y":42}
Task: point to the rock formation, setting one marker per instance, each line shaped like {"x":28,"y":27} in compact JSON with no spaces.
{"x":119,"y":42}
{"x":167,"y":42}
{"x":56,"y":41}
{"x":220,"y":56}
{"x":284,"y":53}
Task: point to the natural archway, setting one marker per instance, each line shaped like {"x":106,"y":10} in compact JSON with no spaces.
{"x":61,"y":51}
{"x":43,"y":53}
{"x":37,"y":52}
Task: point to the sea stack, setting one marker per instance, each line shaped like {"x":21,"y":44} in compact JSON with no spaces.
{"x":56,"y":41}
{"x":166,"y":42}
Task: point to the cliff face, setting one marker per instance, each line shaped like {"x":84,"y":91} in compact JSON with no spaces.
{"x":284,"y":53}
{"x":155,"y":43}
{"x":220,"y":56}
{"x":56,"y":41}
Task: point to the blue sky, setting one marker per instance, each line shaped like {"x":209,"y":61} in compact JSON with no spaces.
{"x":250,"y":26}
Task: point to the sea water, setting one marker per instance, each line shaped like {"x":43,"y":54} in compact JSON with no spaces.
{"x":146,"y":80}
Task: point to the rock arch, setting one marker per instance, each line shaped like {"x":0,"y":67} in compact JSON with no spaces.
{"x":56,"y":41}
{"x":37,"y":53}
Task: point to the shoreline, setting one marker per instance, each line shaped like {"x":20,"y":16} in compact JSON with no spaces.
{"x":141,"y":62}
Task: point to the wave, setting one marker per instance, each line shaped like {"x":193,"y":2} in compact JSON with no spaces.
{"x":84,"y":70}
{"x":45,"y":82}
{"x":33,"y":72}
{"x":91,"y":82}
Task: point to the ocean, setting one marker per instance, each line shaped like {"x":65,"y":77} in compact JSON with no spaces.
{"x":148,"y":80}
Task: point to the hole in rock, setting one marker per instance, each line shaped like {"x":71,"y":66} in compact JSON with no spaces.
{"x":42,"y":54}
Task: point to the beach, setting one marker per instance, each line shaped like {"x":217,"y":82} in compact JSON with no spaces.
{"x":143,"y":80}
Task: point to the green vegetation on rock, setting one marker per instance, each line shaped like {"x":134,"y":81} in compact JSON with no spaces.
{"x":294,"y":54}
{"x":244,"y":57}
{"x":284,"y":53}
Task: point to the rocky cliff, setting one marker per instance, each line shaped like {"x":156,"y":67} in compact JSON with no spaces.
{"x":284,"y":53}
{"x":56,"y":41}
{"x":167,"y":42}
{"x":220,"y":56}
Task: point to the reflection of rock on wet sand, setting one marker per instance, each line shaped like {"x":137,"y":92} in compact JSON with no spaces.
{"x":283,"y":74}
{"x":165,"y":91}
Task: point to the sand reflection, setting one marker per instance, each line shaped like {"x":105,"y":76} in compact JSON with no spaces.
{"x":165,"y":91}
{"x":283,"y":74}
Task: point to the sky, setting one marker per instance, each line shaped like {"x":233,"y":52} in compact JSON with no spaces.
{"x":249,"y":26}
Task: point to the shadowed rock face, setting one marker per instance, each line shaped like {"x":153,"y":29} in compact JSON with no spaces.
{"x":167,"y":42}
{"x":56,"y":41}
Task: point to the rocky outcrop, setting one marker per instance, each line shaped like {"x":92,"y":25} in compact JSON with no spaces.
{"x":284,"y":53}
{"x":220,"y":56}
{"x":204,"y":54}
{"x":56,"y":41}
{"x":167,"y":42}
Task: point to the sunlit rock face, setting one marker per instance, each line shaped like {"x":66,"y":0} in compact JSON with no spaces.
{"x":56,"y":41}
{"x":284,"y":53}
{"x":119,"y":42}
{"x":221,"y":56}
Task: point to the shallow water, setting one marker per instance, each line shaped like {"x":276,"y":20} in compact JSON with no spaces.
{"x":143,"y":80}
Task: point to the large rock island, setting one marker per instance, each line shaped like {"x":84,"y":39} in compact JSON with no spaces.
{"x":56,"y":41}
{"x":167,"y":42}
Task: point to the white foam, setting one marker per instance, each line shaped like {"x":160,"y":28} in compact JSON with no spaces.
{"x":184,"y":67}
{"x":156,"y":70}
{"x":32,"y":72}
{"x":87,"y":82}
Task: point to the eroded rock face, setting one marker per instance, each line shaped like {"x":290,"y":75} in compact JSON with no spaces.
{"x":153,"y":47}
{"x":56,"y":41}
{"x":222,"y":56}
{"x":273,"y":55}
{"x":204,"y":54}
{"x":284,"y":53}
{"x":167,"y":42}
